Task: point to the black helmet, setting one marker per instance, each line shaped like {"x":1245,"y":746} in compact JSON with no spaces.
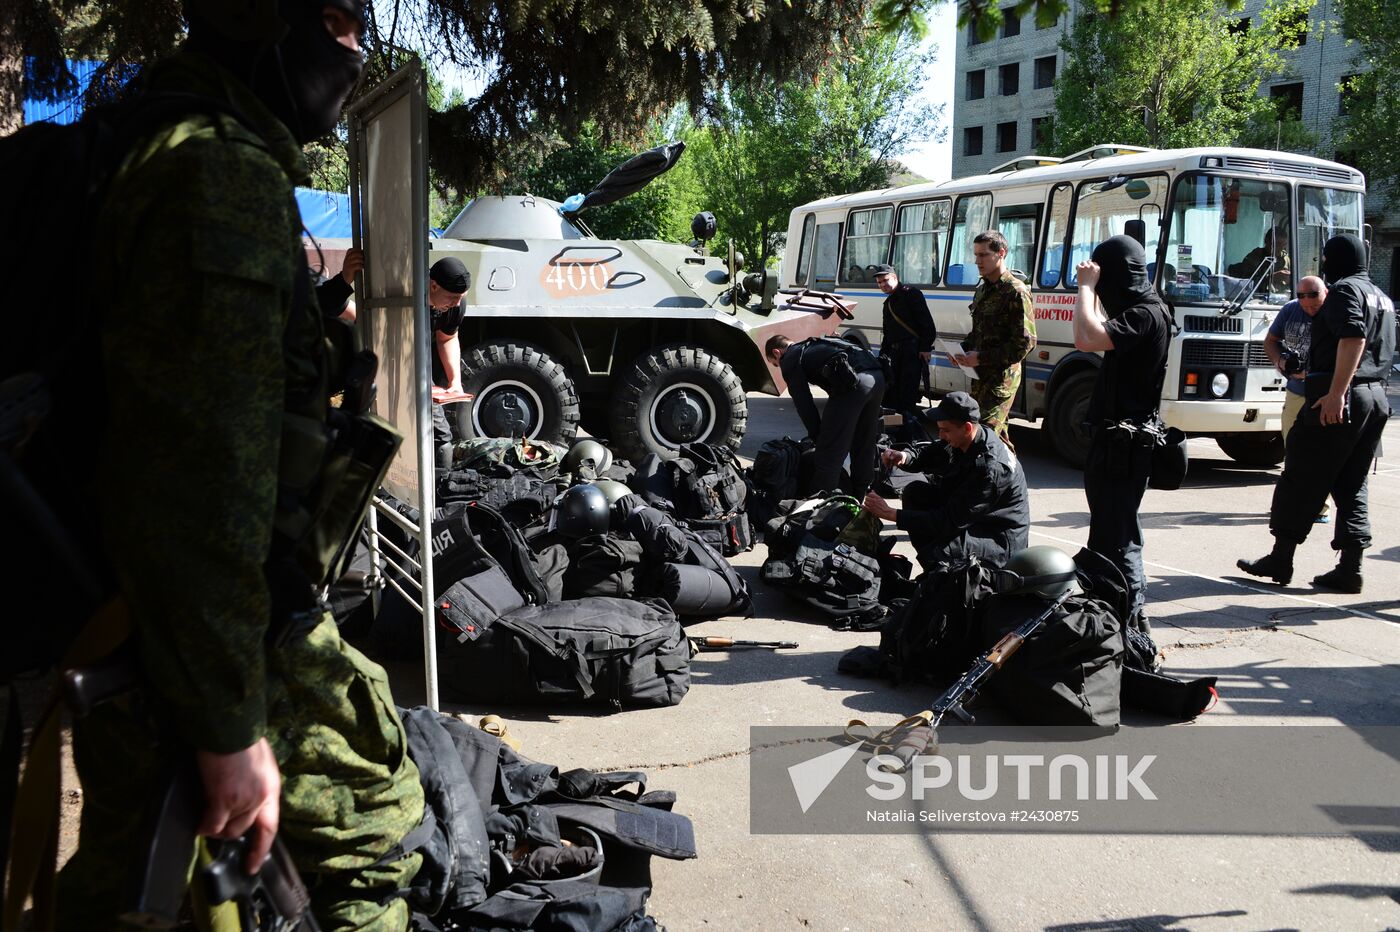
{"x":612,"y":490}
{"x":1042,"y":571}
{"x":587,"y":452}
{"x":581,"y":510}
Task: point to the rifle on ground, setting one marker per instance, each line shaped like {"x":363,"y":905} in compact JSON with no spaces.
{"x":718,"y":643}
{"x":272,"y":900}
{"x":922,"y":738}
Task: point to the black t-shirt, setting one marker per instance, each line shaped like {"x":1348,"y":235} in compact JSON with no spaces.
{"x":1130,"y":378}
{"x":1355,"y":307}
{"x":442,"y":321}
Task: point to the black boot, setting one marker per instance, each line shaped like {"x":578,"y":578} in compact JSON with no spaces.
{"x":1277,"y":564}
{"x":1346,"y":577}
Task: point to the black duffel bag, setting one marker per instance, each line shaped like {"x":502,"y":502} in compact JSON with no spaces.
{"x":617,"y":652}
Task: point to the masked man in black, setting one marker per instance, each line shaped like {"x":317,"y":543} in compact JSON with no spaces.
{"x":1339,"y":428}
{"x":850,"y":423}
{"x":972,"y":501}
{"x":1120,"y":314}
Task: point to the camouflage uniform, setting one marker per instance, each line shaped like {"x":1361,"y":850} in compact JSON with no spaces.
{"x":202,"y":354}
{"x":1003,"y":334}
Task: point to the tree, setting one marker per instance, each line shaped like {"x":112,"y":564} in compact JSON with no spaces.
{"x":766,"y":149}
{"x":1369,"y":131}
{"x":1170,"y":73}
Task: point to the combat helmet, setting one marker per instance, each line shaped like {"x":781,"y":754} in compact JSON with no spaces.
{"x":582,"y":510}
{"x":1042,"y":571}
{"x":612,"y":490}
{"x":586,"y":452}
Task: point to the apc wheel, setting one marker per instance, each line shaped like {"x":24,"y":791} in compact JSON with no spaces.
{"x":858,"y":337}
{"x":1069,"y":414}
{"x":520,"y":390}
{"x":1253,"y":449}
{"x":677,"y":394}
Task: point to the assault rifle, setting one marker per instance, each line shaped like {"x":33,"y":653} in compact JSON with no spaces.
{"x":921,"y":738}
{"x":272,"y":900}
{"x":718,"y":643}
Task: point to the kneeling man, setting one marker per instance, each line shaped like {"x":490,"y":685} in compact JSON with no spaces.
{"x":973,"y":497}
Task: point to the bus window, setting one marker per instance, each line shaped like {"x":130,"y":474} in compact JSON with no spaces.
{"x":1103,"y":210}
{"x":1222,"y":229}
{"x":827,"y":255}
{"x":1018,"y":224}
{"x":918,"y":242}
{"x":804,"y":254}
{"x":1322,"y":214}
{"x":973,"y":215}
{"x":1053,"y":256}
{"x":867,"y":243}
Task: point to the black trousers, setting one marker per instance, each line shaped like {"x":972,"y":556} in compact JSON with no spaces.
{"x":1115,"y":479}
{"x":1330,"y":460}
{"x":905,"y":363}
{"x":442,"y":437}
{"x":850,"y":424}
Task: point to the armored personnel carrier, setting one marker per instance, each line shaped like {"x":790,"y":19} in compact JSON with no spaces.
{"x":647,"y":344}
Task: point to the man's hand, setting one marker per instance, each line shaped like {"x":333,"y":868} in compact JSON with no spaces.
{"x":926,"y":357}
{"x":895,"y":458}
{"x":242,"y":793}
{"x":970,"y":360}
{"x":1087,"y":273}
{"x":354,"y":264}
{"x":878,"y":507}
{"x":1329,"y":408}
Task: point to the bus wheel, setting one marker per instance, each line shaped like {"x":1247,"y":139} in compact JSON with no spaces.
{"x":1253,"y":449}
{"x":1069,"y":417}
{"x":858,"y":337}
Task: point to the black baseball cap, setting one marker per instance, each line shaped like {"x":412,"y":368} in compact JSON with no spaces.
{"x":884,"y":269}
{"x":451,"y":275}
{"x":955,"y":406}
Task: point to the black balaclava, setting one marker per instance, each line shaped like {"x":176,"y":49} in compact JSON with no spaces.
{"x":282,"y":51}
{"x":1122,"y":275}
{"x":1343,"y":255}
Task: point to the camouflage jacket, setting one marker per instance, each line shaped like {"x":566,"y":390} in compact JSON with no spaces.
{"x":199,"y":253}
{"x":1003,"y":326}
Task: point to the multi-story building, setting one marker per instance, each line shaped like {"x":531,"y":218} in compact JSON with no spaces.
{"x":1004,"y":102}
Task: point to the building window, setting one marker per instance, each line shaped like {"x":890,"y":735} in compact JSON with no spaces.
{"x":1045,"y":72}
{"x":1010,"y":23}
{"x":972,"y":37}
{"x":977,"y":84}
{"x":1289,"y":100}
{"x":1347,"y":93}
{"x":1042,"y":132}
{"x":1010,"y":79}
{"x":972,"y":140}
{"x":1006,"y":137}
{"x":1240,"y":27}
{"x":1293,"y":29}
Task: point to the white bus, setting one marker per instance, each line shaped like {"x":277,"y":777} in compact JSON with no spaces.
{"x":1198,"y":212}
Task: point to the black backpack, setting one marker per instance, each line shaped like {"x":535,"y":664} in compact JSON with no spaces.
{"x":828,"y":557}
{"x":615,"y":652}
{"x":703,"y":486}
{"x":934,"y":634}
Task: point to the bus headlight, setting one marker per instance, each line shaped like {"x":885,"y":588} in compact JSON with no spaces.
{"x":1220,"y":385}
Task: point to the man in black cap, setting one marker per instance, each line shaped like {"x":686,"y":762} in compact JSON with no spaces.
{"x":973,"y":499}
{"x":1120,"y":314}
{"x":448,"y":281}
{"x":906,"y":339}
{"x":1334,"y":440}
{"x":854,"y":384}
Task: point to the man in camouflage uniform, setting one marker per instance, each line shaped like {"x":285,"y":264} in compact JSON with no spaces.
{"x":1003,"y":332}
{"x":211,"y":347}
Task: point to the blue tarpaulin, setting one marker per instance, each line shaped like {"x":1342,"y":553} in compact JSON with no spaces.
{"x":325,"y":213}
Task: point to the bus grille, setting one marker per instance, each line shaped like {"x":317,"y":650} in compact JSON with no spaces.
{"x":1197,"y":323}
{"x":1219,"y":354}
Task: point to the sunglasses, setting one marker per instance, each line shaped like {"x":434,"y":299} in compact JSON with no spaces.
{"x":1309,"y":294}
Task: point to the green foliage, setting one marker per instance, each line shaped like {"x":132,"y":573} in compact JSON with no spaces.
{"x":1277,"y":127}
{"x":1369,"y":132}
{"x":1169,"y":73}
{"x":766,"y":149}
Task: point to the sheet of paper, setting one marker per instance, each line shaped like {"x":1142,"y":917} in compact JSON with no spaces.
{"x":953,"y":350}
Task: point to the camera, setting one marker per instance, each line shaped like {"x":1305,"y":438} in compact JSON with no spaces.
{"x":1292,"y":363}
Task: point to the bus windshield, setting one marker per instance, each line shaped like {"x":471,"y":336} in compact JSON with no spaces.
{"x":1222,"y":231}
{"x":1322,"y":214}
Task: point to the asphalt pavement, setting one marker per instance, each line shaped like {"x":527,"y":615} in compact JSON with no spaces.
{"x":1284,"y":657}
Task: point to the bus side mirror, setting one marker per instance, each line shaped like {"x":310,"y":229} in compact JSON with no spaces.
{"x":1137,"y":229}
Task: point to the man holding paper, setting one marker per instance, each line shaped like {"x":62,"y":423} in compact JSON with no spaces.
{"x":1003,"y":332}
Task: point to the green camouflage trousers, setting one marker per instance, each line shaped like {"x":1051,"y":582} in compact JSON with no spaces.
{"x":349,"y":790}
{"x":995,"y":397}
